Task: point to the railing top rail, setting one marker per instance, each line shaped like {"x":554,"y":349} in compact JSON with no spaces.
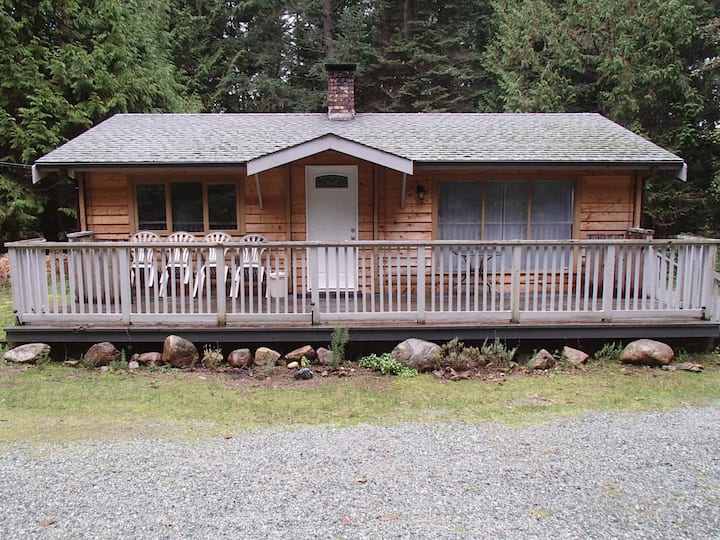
{"x":25,"y":244}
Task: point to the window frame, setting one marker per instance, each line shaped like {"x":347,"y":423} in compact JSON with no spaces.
{"x":204,"y":181}
{"x":483,"y":210}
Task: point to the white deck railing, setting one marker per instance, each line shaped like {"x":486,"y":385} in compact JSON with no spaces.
{"x":281,"y":282}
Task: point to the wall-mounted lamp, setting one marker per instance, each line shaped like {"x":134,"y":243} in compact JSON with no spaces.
{"x":421,"y":192}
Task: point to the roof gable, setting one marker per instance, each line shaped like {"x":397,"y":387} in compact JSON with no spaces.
{"x":329,"y":142}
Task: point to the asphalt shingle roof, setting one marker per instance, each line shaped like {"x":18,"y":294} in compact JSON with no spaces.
{"x":136,"y":139}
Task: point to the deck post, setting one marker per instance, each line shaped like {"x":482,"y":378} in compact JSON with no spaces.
{"x":314,"y":277}
{"x":707,"y":298}
{"x":220,"y":284}
{"x":515,"y":284}
{"x":125,"y":289}
{"x":608,"y":282}
{"x":420,"y":287}
{"x":16,"y":286}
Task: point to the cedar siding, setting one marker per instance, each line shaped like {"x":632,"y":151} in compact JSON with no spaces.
{"x":606,"y":205}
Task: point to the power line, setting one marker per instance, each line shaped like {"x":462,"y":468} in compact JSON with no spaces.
{"x":10,"y":164}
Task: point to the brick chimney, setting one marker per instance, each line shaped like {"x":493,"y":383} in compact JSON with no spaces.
{"x":341,"y":91}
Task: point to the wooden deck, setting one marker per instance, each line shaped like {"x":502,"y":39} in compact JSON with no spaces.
{"x":432,"y":289}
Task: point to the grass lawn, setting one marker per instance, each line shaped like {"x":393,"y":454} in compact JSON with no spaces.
{"x":58,"y":403}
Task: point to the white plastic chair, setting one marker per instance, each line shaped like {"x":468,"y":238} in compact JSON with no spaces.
{"x":250,"y":262}
{"x":142,"y":260}
{"x":210,"y":263}
{"x":177,"y":261}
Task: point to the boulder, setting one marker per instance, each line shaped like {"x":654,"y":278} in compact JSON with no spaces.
{"x":266,"y":357}
{"x":324,"y":356}
{"x":542,"y":360}
{"x":304,"y":374}
{"x":293,"y":365}
{"x":27,"y":354}
{"x":147,"y":358}
{"x":240,"y":358}
{"x":179,"y":352}
{"x":647,"y":352}
{"x":101,"y":354}
{"x":416,"y":354}
{"x":307,"y":351}
{"x":575,"y":356}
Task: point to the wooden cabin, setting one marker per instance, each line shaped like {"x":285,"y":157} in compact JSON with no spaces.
{"x":419,"y":222}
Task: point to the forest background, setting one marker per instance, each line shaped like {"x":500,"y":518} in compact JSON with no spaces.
{"x":650,"y":65}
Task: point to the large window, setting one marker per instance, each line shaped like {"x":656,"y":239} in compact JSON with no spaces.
{"x":186,"y":206}
{"x":505,"y":210}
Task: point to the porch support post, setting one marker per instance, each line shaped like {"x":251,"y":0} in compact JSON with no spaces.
{"x":420,"y":287}
{"x":259,"y":191}
{"x":402,"y":193}
{"x":220,"y":284}
{"x":125,"y":288}
{"x":608,"y":282}
{"x":314,"y":284}
{"x":515,"y":284}
{"x":706,"y":299}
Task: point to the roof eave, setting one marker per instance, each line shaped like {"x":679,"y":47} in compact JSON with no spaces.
{"x":679,"y":167}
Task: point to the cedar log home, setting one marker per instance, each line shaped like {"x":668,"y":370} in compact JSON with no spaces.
{"x":434,"y":225}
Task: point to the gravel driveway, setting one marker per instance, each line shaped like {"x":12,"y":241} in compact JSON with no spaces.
{"x":601,"y":476}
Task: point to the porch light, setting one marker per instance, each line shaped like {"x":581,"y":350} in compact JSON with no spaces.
{"x":421,"y":192}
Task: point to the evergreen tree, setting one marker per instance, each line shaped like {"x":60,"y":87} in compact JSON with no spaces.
{"x":648,"y":65}
{"x":66,"y":67}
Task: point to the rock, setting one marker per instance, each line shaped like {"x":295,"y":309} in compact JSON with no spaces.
{"x":148,"y":358}
{"x":240,"y":358}
{"x":575,"y":356}
{"x":307,"y":351}
{"x":416,"y":354}
{"x":27,"y":354}
{"x":689,"y":366}
{"x":266,"y":357}
{"x":542,"y":360}
{"x":647,"y":352}
{"x":101,"y":354}
{"x":304,"y":374}
{"x":133,"y":365}
{"x":104,"y":369}
{"x":324,"y":356}
{"x":179,"y":352}
{"x":293,"y":365}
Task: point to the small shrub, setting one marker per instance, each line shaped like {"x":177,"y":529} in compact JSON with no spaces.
{"x":386,"y":365}
{"x":455,"y":355}
{"x":212,"y":357}
{"x":561,"y":360}
{"x":609,"y":352}
{"x":338,"y":340}
{"x":304,"y":362}
{"x":496,"y":353}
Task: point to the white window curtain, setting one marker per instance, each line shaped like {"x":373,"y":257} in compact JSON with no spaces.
{"x":552,"y":211}
{"x":548,"y":204}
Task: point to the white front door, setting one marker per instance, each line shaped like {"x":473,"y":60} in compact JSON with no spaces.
{"x":332,"y":207}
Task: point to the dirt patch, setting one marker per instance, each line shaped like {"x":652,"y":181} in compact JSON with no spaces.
{"x":282,"y":377}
